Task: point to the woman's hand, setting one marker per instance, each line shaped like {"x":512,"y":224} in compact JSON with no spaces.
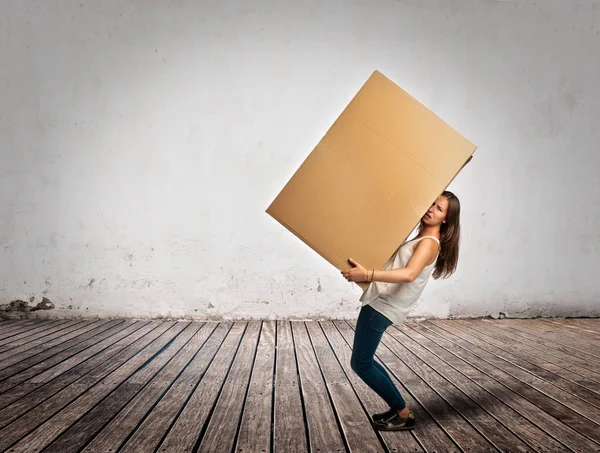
{"x":357,"y":273}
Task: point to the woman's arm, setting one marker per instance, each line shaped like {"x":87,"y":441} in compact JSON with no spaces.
{"x":424,"y":253}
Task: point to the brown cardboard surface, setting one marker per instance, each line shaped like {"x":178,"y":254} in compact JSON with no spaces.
{"x":371,"y":178}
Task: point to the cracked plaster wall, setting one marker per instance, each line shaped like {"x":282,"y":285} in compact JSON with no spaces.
{"x":141,"y":143}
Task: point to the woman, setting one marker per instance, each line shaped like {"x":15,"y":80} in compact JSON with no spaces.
{"x":394,"y":291}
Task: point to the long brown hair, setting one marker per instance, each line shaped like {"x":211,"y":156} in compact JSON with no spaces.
{"x":449,"y":239}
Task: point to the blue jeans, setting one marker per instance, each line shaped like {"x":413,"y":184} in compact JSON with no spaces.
{"x":370,"y":327}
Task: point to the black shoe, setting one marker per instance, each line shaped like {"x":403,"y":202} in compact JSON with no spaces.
{"x":396,"y":423}
{"x":384,"y":415}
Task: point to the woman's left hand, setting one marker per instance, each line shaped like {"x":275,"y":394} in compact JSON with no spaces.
{"x":357,"y":273}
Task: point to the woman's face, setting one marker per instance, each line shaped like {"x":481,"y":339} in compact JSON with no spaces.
{"x":436,"y":214}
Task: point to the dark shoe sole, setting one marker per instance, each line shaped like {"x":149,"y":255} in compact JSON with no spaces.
{"x":384,"y":416}
{"x":398,"y":428}
{"x":396,"y":423}
{"x":382,"y":427}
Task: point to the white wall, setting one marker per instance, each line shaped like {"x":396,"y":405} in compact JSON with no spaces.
{"x":142,"y":141}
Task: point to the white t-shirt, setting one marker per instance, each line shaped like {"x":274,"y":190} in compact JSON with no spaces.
{"x":395,"y":300}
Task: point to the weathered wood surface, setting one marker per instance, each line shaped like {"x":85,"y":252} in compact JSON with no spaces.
{"x":277,"y":386}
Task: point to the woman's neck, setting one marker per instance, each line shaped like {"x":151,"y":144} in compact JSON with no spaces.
{"x":430,"y":231}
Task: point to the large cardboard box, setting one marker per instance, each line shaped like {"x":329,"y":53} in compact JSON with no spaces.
{"x":368,"y":182}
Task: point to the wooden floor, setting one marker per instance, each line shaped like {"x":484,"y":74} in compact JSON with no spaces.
{"x":154,"y":386}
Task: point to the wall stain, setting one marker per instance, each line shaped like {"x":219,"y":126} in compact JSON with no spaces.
{"x":23,"y":306}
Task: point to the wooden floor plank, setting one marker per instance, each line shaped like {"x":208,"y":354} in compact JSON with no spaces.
{"x":21,"y":356}
{"x":580,"y":332}
{"x":47,"y":350}
{"x":494,"y":367}
{"x":289,"y":429}
{"x":323,"y":431}
{"x":529,"y":433}
{"x":592,"y":323}
{"x":57,"y":393}
{"x":536,"y":363}
{"x":20,"y":327}
{"x":492,"y":429}
{"x":42,"y":341}
{"x":255,"y":427}
{"x":458,"y":429}
{"x":565,"y":353}
{"x":68,"y":363}
{"x":354,"y":421}
{"x":586,"y":324}
{"x":554,"y":357}
{"x":148,"y":423}
{"x":22,"y":336}
{"x":427,"y":435}
{"x":40,"y":435}
{"x":475,"y":368}
{"x":569,"y":339}
{"x":30,"y":368}
{"x":265,"y":386}
{"x":221,"y":432}
{"x":40,"y":404}
{"x":555,"y":388}
{"x":26,"y":396}
{"x":154,"y":378}
{"x":184,"y":433}
{"x":9,"y":348}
